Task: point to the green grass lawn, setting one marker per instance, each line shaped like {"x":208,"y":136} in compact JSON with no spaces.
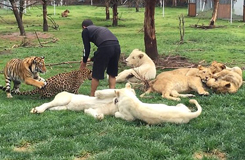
{"x":217,"y":133}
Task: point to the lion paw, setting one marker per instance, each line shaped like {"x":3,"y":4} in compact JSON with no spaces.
{"x":99,"y":116}
{"x":117,"y":114}
{"x":33,"y":110}
{"x":177,"y":99}
{"x":205,"y":93}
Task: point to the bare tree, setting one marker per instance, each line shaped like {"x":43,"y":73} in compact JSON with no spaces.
{"x":114,"y":4}
{"x":21,"y":10}
{"x":215,"y":12}
{"x":18,"y":18}
{"x":149,"y":30}
{"x":174,"y":3}
{"x":137,"y":5}
{"x":45,"y":22}
{"x":107,"y":11}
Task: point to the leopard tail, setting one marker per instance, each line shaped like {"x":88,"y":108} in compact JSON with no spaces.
{"x":32,"y":92}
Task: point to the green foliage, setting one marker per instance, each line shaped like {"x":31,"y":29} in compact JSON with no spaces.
{"x":67,"y":134}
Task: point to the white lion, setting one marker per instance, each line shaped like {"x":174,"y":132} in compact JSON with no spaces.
{"x":98,"y":106}
{"x":142,"y":67}
{"x":131,"y":108}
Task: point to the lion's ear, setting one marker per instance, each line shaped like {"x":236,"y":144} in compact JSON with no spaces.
{"x":141,"y":56}
{"x":228,"y":85}
{"x":223,"y":67}
{"x":128,"y":85}
{"x":200,"y":67}
{"x":214,"y":62}
{"x":117,"y":93}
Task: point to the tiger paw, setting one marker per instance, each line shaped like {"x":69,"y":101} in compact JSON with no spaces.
{"x":44,"y":84}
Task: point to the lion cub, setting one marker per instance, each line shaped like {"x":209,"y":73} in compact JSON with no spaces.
{"x":172,"y":83}
{"x":141,"y":65}
{"x":226,"y":81}
{"x":65,"y":13}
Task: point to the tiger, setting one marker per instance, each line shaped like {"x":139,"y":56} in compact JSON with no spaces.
{"x":27,"y":70}
{"x":69,"y":81}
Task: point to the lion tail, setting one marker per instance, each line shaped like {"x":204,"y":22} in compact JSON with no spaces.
{"x":199,"y":109}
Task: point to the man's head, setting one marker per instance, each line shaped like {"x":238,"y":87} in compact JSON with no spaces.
{"x":86,"y":23}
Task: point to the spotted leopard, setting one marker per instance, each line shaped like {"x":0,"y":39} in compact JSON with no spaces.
{"x":69,"y":81}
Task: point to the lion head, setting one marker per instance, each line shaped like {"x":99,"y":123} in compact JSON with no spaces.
{"x":137,"y":58}
{"x":216,"y":67}
{"x":221,"y":86}
{"x":204,"y":73}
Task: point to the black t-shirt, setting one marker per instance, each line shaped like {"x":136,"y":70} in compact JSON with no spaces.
{"x":97,"y":35}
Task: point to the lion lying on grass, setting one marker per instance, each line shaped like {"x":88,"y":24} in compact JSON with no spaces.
{"x":142,"y":67}
{"x":131,"y":108}
{"x":228,"y":80}
{"x":201,"y":71}
{"x":65,"y":13}
{"x":171,"y":83}
{"x":98,"y":106}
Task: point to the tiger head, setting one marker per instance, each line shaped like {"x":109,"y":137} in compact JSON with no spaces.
{"x":38,"y":65}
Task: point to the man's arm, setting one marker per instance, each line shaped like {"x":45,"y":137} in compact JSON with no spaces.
{"x":86,"y":43}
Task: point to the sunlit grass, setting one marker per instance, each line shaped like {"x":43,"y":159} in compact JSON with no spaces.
{"x":69,"y":135}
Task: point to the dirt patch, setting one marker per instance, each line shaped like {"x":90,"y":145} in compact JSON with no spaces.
{"x":30,"y":35}
{"x":173,"y":62}
{"x":213,"y":154}
{"x":24,"y":148}
{"x":32,"y":39}
{"x":167,"y":62}
{"x":84,"y":157}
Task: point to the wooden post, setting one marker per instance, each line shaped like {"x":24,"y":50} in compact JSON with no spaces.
{"x":192,"y":9}
{"x":244,"y":11}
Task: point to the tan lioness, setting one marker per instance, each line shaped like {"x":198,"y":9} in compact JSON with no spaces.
{"x":203,"y":72}
{"x":172,"y":83}
{"x":227,"y":81}
{"x":131,"y":108}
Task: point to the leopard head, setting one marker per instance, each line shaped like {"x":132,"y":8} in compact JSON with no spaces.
{"x":87,"y":73}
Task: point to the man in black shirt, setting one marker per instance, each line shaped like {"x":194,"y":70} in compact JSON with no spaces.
{"x":105,"y":58}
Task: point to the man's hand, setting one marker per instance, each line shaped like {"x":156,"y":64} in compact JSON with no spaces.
{"x":83,"y":65}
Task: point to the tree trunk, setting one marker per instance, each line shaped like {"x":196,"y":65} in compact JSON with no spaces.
{"x":107,"y":11}
{"x":21,"y":8}
{"x":174,"y":3}
{"x":215,"y":12}
{"x":115,"y":17}
{"x":137,"y":5}
{"x":149,"y":30}
{"x":17,"y":17}
{"x":45,"y":22}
